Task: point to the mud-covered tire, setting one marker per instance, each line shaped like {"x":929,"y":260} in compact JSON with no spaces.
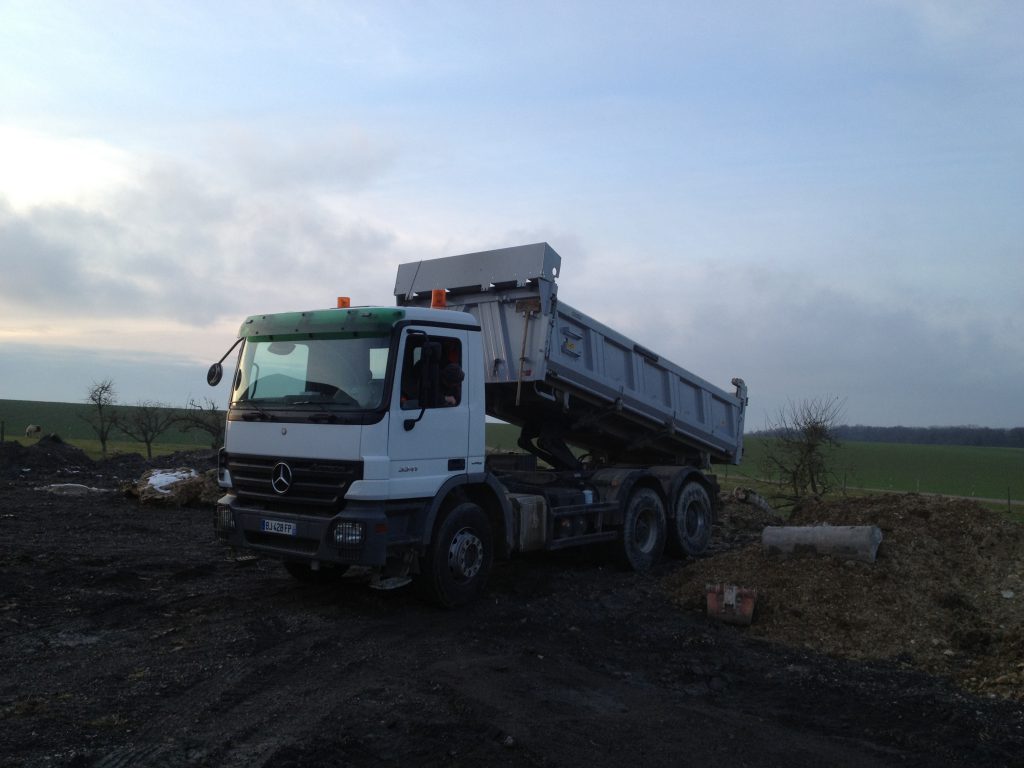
{"x":643,"y":530}
{"x":326,"y":575}
{"x":692,"y":519}
{"x":457,"y":564}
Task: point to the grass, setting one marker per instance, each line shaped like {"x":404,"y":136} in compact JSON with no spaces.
{"x":92,"y":448}
{"x":66,"y":420}
{"x":992,"y":476}
{"x":953,"y":470}
{"x":502,"y":437}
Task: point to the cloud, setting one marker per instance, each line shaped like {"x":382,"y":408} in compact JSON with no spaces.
{"x":334,"y":157}
{"x":948,"y":21}
{"x":45,"y":169}
{"x":176,"y":257}
{"x":184,"y":246}
{"x":793,"y":336}
{"x":54,"y":261}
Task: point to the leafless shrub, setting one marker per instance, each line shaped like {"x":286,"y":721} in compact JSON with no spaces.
{"x":102,"y":397}
{"x":205,"y":417}
{"x":146,"y":422}
{"x":800,"y":446}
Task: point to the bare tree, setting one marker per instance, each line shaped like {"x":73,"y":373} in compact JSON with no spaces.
{"x":801,"y":444}
{"x":205,"y":417}
{"x":101,"y":417}
{"x":146,"y":422}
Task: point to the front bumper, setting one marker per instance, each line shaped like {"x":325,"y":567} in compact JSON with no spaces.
{"x":299,"y":537}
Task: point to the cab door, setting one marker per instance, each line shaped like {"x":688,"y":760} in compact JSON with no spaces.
{"x":428,"y":433}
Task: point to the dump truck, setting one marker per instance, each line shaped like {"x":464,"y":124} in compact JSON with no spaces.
{"x":355,"y":435}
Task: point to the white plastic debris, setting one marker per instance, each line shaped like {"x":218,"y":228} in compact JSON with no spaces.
{"x":72,"y":489}
{"x":161,"y":480}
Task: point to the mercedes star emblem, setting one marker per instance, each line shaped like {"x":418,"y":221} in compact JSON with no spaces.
{"x":281,"y":478}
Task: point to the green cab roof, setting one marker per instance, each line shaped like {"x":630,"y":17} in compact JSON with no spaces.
{"x":317,"y":322}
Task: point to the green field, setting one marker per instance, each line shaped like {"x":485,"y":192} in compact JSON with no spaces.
{"x":502,"y":437}
{"x":983,"y":473}
{"x":65,"y":420}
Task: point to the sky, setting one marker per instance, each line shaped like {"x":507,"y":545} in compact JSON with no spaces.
{"x":823,"y":198}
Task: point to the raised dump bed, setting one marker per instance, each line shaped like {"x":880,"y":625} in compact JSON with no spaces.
{"x":565,"y":377}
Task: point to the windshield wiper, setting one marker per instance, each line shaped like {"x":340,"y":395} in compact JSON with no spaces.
{"x":324,"y":415}
{"x":259,"y":413}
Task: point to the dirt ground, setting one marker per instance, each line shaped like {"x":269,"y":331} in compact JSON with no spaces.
{"x":945,"y":595}
{"x":130,"y":637}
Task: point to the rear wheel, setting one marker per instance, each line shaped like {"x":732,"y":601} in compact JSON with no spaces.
{"x":643,"y":530}
{"x":693,"y":517}
{"x":324,"y":575}
{"x":455,"y":569}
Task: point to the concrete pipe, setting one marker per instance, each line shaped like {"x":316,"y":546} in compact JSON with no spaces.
{"x":847,"y":542}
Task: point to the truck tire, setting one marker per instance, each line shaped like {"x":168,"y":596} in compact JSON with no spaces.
{"x":692,"y":520}
{"x":643,"y":530}
{"x":456,"y":566}
{"x":327,"y":574}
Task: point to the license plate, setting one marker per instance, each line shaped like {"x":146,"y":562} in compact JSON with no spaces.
{"x":279,"y":527}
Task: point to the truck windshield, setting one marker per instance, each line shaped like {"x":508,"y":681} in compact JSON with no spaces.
{"x":335,"y":373}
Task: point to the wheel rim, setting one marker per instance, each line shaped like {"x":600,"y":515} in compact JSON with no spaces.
{"x":465,"y":555}
{"x":645,"y":533}
{"x":693,"y":521}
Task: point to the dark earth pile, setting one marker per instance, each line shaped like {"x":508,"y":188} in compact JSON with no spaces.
{"x":51,"y":460}
{"x":130,"y":637}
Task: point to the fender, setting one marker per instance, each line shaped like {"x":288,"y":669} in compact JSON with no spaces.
{"x":482,"y":488}
{"x":617,"y":483}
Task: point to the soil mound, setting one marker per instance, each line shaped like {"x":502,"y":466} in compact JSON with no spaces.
{"x":945,"y":595}
{"x":743,"y":516}
{"x":52,"y":460}
{"x":50,"y":456}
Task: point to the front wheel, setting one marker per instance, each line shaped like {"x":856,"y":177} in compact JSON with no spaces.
{"x":456,"y":566}
{"x":643,"y":530}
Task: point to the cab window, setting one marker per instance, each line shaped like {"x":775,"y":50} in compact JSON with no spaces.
{"x":432,"y":375}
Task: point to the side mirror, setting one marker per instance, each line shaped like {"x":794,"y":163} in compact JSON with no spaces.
{"x":216,"y":372}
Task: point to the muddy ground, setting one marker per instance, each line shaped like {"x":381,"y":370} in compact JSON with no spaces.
{"x":130,"y":637}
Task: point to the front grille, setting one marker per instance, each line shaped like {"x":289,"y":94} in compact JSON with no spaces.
{"x":318,"y":487}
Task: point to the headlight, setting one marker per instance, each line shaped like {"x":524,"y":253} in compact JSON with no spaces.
{"x":225,"y":520}
{"x":348,"y":534}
